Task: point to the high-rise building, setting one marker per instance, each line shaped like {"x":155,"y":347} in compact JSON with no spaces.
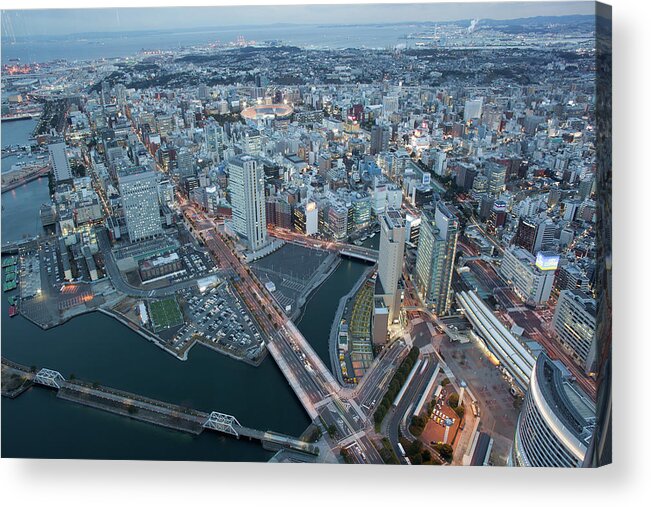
{"x":214,"y":137}
{"x":184,"y":163}
{"x":60,"y":164}
{"x":139,"y":193}
{"x":437,"y":246}
{"x":545,"y":235}
{"x":390,"y":260}
{"x":574,"y":325}
{"x":306,"y":218}
{"x":497,"y":218}
{"x":532,"y":277}
{"x":556,"y":421}
{"x":525,"y":234}
{"x":496,"y":174}
{"x":472,"y":109}
{"x":380,"y":137}
{"x":337,"y":219}
{"x":246,"y":187}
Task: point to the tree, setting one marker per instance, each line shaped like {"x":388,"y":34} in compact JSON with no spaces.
{"x":453,"y":400}
{"x":426,"y":455}
{"x":332,"y":430}
{"x":414,"y":447}
{"x":445,"y":450}
{"x":315,"y":435}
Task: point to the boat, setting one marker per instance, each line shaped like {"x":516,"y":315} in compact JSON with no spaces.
{"x":13,"y":311}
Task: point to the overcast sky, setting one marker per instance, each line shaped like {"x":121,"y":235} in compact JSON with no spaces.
{"x":68,"y":21}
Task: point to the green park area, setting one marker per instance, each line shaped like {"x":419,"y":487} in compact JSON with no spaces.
{"x":165,"y":313}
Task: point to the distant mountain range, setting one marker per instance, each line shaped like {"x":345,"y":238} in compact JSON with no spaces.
{"x":536,"y":23}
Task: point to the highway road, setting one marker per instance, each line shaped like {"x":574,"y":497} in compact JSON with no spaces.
{"x":371,"y":389}
{"x":313,"y":383}
{"x":402,"y":412}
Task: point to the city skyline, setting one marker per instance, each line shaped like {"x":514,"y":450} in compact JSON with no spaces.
{"x":386,"y":256}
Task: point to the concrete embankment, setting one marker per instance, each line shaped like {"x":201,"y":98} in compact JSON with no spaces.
{"x":334,"y":327}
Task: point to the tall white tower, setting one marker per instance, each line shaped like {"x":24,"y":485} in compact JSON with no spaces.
{"x":392,"y":252}
{"x":246,"y":187}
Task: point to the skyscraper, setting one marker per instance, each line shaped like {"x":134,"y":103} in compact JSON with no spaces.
{"x":246,"y":187}
{"x":472,"y":109}
{"x":380,"y":137}
{"x":574,"y":325}
{"x":556,"y":421}
{"x":391,"y":255}
{"x":437,"y":246}
{"x":139,"y":192}
{"x":525,"y":234}
{"x":60,"y":164}
{"x":496,"y":174}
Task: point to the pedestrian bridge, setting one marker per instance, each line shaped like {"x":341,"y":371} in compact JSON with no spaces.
{"x":228,"y":424}
{"x":162,"y":413}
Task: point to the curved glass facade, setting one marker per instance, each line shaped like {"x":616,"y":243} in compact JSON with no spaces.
{"x":555,"y":423}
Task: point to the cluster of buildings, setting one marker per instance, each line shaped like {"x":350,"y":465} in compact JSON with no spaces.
{"x":387,"y":140}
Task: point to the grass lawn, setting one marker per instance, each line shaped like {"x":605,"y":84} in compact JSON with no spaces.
{"x":165,"y":313}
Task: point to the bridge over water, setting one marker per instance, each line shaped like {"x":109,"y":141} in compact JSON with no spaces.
{"x":159,"y":412}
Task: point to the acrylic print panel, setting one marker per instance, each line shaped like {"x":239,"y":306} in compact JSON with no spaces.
{"x":342,"y":234}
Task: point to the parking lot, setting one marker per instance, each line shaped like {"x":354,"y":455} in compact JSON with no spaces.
{"x":292,"y":269}
{"x":196,"y":263}
{"x":218,"y":319}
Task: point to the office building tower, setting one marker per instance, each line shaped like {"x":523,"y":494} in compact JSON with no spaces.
{"x":574,"y":326}
{"x":390,"y":104}
{"x":246,"y":187}
{"x":59,"y":160}
{"x":306,"y":219}
{"x":337,"y":218}
{"x":214,"y":138}
{"x":531,"y":277}
{"x":525,"y":234}
{"x":380,"y":137}
{"x":437,"y":246}
{"x":545,"y":236}
{"x":390,"y":260}
{"x":496,"y":174}
{"x":165,"y":125}
{"x":139,"y":193}
{"x":184,"y":163}
{"x":472,"y":109}
{"x":556,"y":421}
{"x":571,"y":276}
{"x":440,"y":163}
{"x":203,"y":92}
{"x":466,"y":175}
{"x":497,"y":217}
{"x":412,"y":225}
